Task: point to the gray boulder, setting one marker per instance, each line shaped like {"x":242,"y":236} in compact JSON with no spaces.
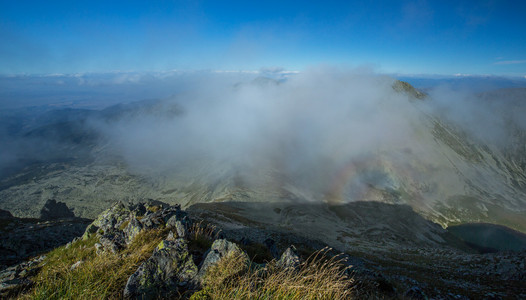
{"x":132,"y":229}
{"x":167,"y":273}
{"x":153,"y":220}
{"x":220,"y":248}
{"x":113,"y":242}
{"x":289,"y":258}
{"x":179,"y":226}
{"x":162,"y":216}
{"x":112,"y":218}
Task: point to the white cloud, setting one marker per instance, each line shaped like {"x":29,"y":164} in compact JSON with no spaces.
{"x":461,"y":75}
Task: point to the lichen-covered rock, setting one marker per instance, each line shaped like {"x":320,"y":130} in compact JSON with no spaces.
{"x":113,"y":242}
{"x":130,"y":220}
{"x":90,"y":231}
{"x":289,"y":258}
{"x":171,"y":236}
{"x":154,"y":205}
{"x":162,"y":216}
{"x":132,"y":229}
{"x":178,"y":226}
{"x":153,"y":220}
{"x":112,"y":218}
{"x":53,"y":210}
{"x":167,"y":273}
{"x":138,"y":209}
{"x":120,"y":224}
{"x":219,"y":249}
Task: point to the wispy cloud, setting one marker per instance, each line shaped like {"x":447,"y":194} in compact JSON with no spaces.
{"x":509,"y":62}
{"x":462,"y":75}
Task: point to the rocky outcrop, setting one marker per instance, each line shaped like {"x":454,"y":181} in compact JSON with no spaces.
{"x":111,"y":219}
{"x":133,"y":228}
{"x":404,"y":87}
{"x":113,"y":242}
{"x":167,"y":273}
{"x":289,"y":258}
{"x":172,"y":269}
{"x":178,"y":226}
{"x":120,"y":224}
{"x":220,"y":248}
{"x":54,"y":210}
{"x":5,"y":214}
{"x":164,"y":216}
{"x":183,"y":262}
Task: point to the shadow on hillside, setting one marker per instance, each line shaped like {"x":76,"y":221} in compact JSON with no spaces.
{"x":22,"y":238}
{"x":361,"y":222}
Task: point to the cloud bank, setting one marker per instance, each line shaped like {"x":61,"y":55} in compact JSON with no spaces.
{"x":269,"y":132}
{"x":318,"y":133}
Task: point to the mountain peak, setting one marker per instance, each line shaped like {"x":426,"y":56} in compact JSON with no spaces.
{"x":405,"y":87}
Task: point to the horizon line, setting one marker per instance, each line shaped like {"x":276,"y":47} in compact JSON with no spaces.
{"x":280,"y":71}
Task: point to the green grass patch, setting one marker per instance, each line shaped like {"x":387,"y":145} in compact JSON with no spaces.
{"x":98,"y":276}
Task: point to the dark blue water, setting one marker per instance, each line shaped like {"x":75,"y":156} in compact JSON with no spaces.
{"x":489,"y":237}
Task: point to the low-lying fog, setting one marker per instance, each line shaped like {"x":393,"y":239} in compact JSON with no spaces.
{"x":302,"y":126}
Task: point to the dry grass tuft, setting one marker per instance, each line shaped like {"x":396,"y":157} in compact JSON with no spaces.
{"x":201,"y":236}
{"x":202,"y":230}
{"x":319,"y":277}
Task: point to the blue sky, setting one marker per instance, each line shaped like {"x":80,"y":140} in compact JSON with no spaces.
{"x":410,"y":37}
